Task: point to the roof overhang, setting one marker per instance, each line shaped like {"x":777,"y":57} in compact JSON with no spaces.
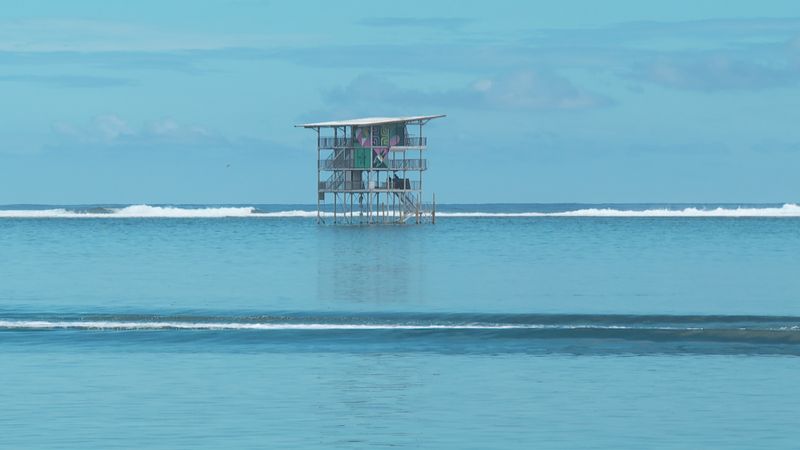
{"x":368,"y":121}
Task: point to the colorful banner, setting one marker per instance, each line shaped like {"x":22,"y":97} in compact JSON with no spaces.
{"x":379,"y":139}
{"x":379,"y":136}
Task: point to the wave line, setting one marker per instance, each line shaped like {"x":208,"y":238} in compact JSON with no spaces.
{"x":147,"y":211}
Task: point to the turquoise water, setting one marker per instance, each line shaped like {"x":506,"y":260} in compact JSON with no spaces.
{"x":257,"y":330}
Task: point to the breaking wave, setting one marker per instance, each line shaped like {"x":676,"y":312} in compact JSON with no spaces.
{"x":787,"y":210}
{"x":217,"y":326}
{"x":148,"y":211}
{"x":415,"y":332}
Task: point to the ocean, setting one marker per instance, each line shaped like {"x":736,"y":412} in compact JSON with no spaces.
{"x":501,"y":326}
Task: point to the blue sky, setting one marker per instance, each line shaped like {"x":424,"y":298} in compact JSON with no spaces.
{"x":570,"y":101}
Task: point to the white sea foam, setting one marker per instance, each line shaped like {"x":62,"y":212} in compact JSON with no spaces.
{"x":147,"y":211}
{"x":787,"y":210}
{"x":173,"y":325}
{"x":123,"y":325}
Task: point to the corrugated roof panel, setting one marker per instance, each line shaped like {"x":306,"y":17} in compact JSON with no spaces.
{"x":368,"y":121}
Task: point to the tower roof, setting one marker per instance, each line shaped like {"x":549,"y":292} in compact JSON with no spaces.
{"x":367,"y":121}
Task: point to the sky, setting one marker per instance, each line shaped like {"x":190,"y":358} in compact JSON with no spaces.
{"x":175,"y":102}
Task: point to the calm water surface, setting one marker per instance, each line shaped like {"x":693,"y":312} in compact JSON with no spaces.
{"x":479,"y":332}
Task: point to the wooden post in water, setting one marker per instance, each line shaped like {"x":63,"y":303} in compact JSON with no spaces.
{"x":433,"y":210}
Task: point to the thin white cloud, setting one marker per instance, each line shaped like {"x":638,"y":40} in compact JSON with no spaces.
{"x":535,"y":90}
{"x":68,"y":81}
{"x":710,"y":55}
{"x":111,"y":129}
{"x":437,"y":23}
{"x":73,"y":35}
{"x":525,"y":90}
